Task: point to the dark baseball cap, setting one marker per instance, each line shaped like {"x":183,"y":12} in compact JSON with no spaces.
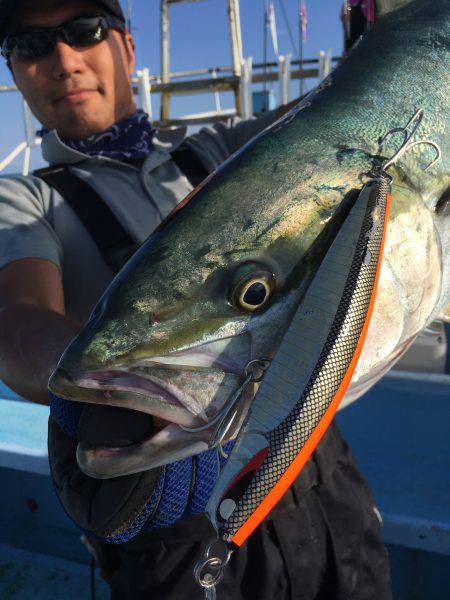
{"x":7,"y":8}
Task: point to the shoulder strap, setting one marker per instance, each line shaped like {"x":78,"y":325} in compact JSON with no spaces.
{"x":114,"y":243}
{"x":189,"y":164}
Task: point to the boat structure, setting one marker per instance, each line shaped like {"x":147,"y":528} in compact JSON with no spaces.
{"x":398,"y":430}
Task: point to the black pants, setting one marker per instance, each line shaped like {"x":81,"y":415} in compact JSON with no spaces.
{"x":322,"y":542}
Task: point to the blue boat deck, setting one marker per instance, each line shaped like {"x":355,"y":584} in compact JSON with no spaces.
{"x":398,"y":432}
{"x":26,"y":575}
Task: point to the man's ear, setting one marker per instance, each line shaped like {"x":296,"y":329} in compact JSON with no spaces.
{"x":129,"y":47}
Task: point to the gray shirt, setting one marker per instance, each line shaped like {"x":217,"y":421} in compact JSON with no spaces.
{"x":35,"y":221}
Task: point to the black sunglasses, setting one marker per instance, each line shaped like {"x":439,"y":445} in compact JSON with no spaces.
{"x":82,"y":32}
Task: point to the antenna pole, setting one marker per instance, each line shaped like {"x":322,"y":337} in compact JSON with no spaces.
{"x":129,"y":15}
{"x":165,"y":98}
{"x":236,"y":48}
{"x":266,"y":23}
{"x":300,"y":43}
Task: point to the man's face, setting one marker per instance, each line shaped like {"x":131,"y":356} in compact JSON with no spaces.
{"x":77,"y":91}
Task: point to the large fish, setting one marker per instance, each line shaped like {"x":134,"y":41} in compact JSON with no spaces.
{"x":216,"y":286}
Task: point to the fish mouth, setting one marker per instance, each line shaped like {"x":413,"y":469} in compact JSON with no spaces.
{"x":183,"y":390}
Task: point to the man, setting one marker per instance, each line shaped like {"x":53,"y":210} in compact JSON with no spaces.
{"x":74,"y":70}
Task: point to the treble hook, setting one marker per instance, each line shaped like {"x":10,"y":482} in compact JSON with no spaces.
{"x":407,"y":144}
{"x":406,"y":148}
{"x":415,"y":120}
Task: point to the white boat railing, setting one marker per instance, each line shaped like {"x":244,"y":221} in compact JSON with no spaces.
{"x":32,"y":140}
{"x":220,"y":79}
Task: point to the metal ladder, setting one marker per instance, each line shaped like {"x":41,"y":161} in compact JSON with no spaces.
{"x":216,"y":84}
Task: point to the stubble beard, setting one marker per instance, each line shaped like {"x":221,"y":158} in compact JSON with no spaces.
{"x":81,"y":124}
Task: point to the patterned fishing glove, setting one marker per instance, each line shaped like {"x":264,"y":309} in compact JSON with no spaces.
{"x":116,"y":510}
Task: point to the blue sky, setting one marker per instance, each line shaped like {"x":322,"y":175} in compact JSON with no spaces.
{"x":199,"y":38}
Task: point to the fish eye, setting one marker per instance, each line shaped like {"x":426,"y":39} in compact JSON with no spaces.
{"x":253,"y":291}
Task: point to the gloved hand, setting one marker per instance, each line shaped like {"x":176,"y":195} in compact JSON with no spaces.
{"x":116,"y":510}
